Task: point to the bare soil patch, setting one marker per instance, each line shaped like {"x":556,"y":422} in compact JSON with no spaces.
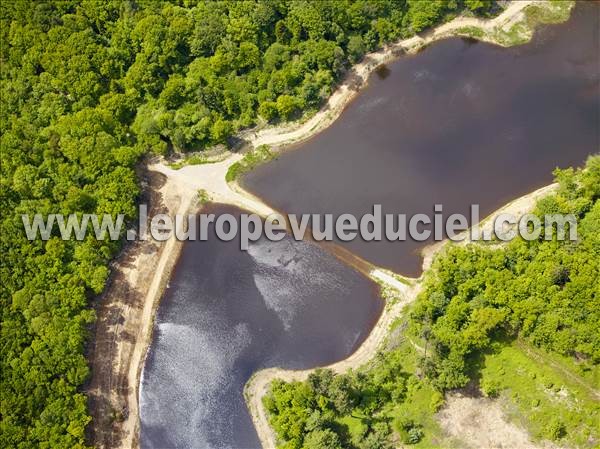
{"x":479,"y":422}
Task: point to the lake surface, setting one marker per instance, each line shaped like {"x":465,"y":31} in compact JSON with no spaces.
{"x":229,"y":313}
{"x":459,"y":123}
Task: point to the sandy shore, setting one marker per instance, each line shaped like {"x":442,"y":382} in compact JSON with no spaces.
{"x":168,"y":257}
{"x":125,"y":326}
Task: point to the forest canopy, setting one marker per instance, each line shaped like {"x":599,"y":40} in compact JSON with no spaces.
{"x":88,"y":88}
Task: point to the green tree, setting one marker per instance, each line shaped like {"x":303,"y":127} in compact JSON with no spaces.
{"x":287,"y":106}
{"x":220,"y":131}
{"x":356,"y":48}
{"x":322,"y":439}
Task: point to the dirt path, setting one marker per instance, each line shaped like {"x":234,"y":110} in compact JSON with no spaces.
{"x":125,"y":321}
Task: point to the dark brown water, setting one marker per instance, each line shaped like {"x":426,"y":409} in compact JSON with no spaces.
{"x":459,"y":123}
{"x":229,"y":313}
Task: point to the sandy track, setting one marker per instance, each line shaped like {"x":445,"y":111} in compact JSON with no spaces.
{"x":124,"y":325}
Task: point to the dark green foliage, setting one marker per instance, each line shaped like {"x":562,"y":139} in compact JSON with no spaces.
{"x":322,"y":439}
{"x":409,"y":431}
{"x":555,"y":430}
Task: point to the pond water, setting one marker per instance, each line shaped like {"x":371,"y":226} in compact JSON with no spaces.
{"x":459,"y":123}
{"x":229,"y":313}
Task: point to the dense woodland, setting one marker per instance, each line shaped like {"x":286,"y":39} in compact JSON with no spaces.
{"x":88,"y":88}
{"x":475,"y":301}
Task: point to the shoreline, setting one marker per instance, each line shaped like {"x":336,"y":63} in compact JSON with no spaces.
{"x":167,"y":261}
{"x":493,"y":31}
{"x":182,"y":188}
{"x":126,"y":321}
{"x":258,"y":385}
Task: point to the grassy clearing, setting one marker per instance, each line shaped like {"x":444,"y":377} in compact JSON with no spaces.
{"x":251,"y":159}
{"x":471,"y":31}
{"x":555,"y":11}
{"x":543,"y":394}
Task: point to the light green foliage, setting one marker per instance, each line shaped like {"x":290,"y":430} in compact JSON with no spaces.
{"x":287,"y":106}
{"x":409,"y":431}
{"x":536,"y":14}
{"x":471,"y":31}
{"x":424,"y":14}
{"x":306,"y":413}
{"x":322,"y":439}
{"x":356,"y":48}
{"x":478,"y":5}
